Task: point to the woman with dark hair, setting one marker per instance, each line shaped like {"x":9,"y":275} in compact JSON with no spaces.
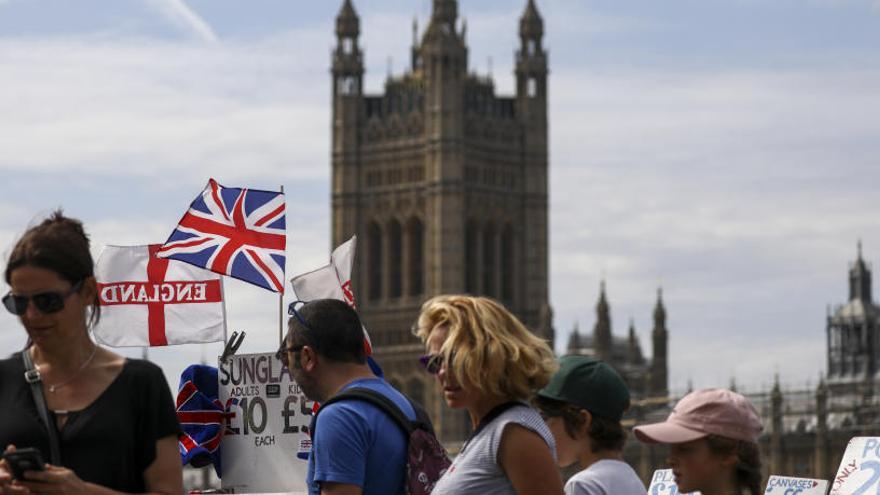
{"x":713,"y":443}
{"x":112,"y":419}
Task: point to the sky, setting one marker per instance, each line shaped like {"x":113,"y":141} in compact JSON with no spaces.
{"x":724,"y":149}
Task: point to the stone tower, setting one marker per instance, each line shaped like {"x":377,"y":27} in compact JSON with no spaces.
{"x":853,"y":350}
{"x":445,"y":185}
{"x":659,"y":378}
{"x":602,"y":340}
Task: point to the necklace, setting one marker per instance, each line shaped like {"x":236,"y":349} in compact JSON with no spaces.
{"x":53,"y":388}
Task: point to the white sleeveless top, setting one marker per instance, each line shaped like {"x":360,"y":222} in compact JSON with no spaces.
{"x":476,"y":470}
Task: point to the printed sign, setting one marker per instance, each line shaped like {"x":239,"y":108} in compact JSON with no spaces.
{"x":266,"y":443}
{"x":787,"y":485}
{"x":859,"y":471}
{"x":663,"y":483}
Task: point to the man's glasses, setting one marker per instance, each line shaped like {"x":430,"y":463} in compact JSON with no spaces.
{"x":293,"y":311}
{"x":45,"y":302}
{"x":433,"y":362}
{"x":283,"y":354}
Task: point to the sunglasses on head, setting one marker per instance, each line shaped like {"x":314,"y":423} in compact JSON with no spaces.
{"x":45,"y":302}
{"x":433,"y":362}
{"x":292,"y":311}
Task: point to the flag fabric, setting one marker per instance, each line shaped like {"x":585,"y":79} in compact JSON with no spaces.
{"x":150,"y":301}
{"x":236,"y":232}
{"x":333,"y":281}
{"x":202,"y":417}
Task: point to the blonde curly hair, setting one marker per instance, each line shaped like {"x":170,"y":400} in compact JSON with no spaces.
{"x":488,"y":347}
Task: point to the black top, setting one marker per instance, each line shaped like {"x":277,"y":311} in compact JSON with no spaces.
{"x":112,"y":441}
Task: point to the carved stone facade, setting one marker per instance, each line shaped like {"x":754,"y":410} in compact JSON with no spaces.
{"x":445,"y":185}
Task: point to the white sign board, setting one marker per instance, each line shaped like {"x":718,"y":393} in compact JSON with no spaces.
{"x":788,"y":485}
{"x":859,"y":471}
{"x":266,"y":442}
{"x":663,"y":483}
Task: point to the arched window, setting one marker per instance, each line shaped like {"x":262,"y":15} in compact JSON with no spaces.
{"x":507,"y":264}
{"x":416,"y":234}
{"x":395,"y":259}
{"x":471,"y":257}
{"x":374,"y":256}
{"x":489,"y":261}
{"x":416,"y":391}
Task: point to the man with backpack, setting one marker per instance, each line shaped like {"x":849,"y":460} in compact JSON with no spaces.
{"x":363,"y":433}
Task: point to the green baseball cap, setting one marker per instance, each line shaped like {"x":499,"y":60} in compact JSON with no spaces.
{"x":591,"y":384}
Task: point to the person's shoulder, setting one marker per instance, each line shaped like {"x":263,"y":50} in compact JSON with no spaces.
{"x":141,"y":369}
{"x":384,"y":388}
{"x":524,"y":415}
{"x":603,"y":476}
{"x":11,"y":364}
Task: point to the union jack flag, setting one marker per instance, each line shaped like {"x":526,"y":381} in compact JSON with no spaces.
{"x":202,"y":417}
{"x":233,"y":231}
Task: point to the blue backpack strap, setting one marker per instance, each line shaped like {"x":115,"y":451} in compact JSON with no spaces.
{"x":377,"y":399}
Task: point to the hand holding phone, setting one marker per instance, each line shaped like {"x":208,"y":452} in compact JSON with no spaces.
{"x":21,"y":460}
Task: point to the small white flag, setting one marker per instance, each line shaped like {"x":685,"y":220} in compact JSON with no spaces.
{"x":331,"y":281}
{"x":150,"y":301}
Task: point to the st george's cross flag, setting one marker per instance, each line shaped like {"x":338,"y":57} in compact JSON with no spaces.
{"x":333,"y":281}
{"x":150,"y":301}
{"x":233,"y":231}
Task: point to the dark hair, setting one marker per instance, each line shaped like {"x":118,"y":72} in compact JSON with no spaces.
{"x":332,"y":328}
{"x":603,"y":434}
{"x":747,"y":471}
{"x":59,"y":244}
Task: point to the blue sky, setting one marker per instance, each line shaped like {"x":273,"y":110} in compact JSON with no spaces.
{"x":724,"y":149}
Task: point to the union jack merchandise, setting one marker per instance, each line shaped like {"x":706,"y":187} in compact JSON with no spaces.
{"x":150,"y":301}
{"x":233,"y":231}
{"x":202,"y":417}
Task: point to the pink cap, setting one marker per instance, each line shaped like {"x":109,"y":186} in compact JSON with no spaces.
{"x":711,"y":411}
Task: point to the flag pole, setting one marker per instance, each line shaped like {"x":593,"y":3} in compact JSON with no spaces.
{"x":281,"y":294}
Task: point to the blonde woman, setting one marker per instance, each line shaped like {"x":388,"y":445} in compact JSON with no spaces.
{"x":488,"y":363}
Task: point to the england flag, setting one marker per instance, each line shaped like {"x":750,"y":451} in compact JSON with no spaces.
{"x":150,"y":301}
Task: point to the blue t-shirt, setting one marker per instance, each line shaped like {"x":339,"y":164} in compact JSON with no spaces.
{"x":357,"y":443}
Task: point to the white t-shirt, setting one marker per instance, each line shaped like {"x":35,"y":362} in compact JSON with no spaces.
{"x":606,"y":477}
{"x":475,"y":470}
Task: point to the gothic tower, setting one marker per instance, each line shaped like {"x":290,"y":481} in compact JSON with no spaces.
{"x":659,"y":336}
{"x":602,"y":340}
{"x":445,"y":184}
{"x":853,"y":350}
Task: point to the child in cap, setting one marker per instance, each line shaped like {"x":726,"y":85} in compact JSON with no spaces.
{"x":713,"y":436}
{"x":583,"y":405}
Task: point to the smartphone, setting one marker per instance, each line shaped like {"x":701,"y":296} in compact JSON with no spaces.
{"x":21,"y":460}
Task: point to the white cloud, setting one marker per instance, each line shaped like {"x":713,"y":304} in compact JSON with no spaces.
{"x":250,"y":110}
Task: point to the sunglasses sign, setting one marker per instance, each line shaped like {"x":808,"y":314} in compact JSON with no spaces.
{"x":266,"y":442}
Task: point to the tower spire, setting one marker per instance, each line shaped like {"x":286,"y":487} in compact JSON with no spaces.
{"x":659,"y":338}
{"x":860,"y":278}
{"x":602,"y":332}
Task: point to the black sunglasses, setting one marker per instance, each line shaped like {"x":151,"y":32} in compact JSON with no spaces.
{"x":45,"y":302}
{"x":283,"y":354}
{"x":433,"y":362}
